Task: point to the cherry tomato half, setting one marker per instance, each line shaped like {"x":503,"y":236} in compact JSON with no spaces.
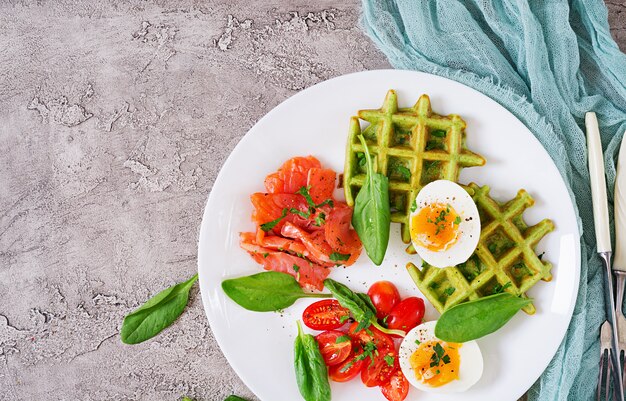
{"x":347,"y":370}
{"x":397,"y":388}
{"x":384,"y":296}
{"x":335,"y":346}
{"x":378,"y":371}
{"x":325,"y":315}
{"x":380,"y":340}
{"x":406,"y":315}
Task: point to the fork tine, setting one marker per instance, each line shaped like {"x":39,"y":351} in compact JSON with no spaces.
{"x":599,"y":396}
{"x":606,"y":363}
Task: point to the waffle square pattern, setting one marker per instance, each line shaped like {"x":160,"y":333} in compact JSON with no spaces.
{"x":411,"y":146}
{"x":505,"y":259}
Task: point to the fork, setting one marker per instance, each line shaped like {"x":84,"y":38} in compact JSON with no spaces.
{"x":606,"y":362}
{"x":621,"y":321}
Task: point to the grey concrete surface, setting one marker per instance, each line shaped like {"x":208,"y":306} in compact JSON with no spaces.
{"x":115,"y":118}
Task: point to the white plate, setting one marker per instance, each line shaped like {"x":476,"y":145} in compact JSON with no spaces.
{"x":259,"y":346}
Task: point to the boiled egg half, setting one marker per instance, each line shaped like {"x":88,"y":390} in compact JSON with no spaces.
{"x":436,"y":366}
{"x":444,"y":224}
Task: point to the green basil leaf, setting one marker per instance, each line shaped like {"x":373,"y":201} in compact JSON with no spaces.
{"x":474,"y":319}
{"x":368,"y":301}
{"x":311,"y":372}
{"x":371,"y":217}
{"x":157,"y":313}
{"x":266,"y":292}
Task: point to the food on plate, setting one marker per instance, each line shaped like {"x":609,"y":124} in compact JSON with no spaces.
{"x":371,"y":218}
{"x":504,"y":260}
{"x":311,"y":371}
{"x":437,"y":366}
{"x":444,"y":224}
{"x":384,"y":296}
{"x":407,"y":314}
{"x":397,"y":388}
{"x":335,"y":346}
{"x":301,"y":229}
{"x":411,"y":146}
{"x":266,"y":292}
{"x":474,"y":319}
{"x":362,"y":310}
{"x":325,"y":315}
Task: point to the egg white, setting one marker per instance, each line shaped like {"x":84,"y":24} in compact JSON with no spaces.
{"x":470,"y":368}
{"x":448,"y":192}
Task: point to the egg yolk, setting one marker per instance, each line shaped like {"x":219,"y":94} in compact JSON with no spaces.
{"x":436,"y":227}
{"x":436,"y":363}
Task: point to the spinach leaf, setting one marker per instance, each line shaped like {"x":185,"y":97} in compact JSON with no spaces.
{"x":311,"y":372}
{"x":362,"y":310}
{"x":266,"y":292}
{"x":475,"y":319}
{"x":371,"y":217}
{"x":233,"y":398}
{"x":189,"y":399}
{"x":157,"y":313}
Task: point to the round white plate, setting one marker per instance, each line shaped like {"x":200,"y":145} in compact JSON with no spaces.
{"x":259,"y":346}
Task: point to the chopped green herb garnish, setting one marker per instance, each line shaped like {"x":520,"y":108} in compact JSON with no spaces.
{"x":389,"y":359}
{"x":366,"y":322}
{"x":457,"y":221}
{"x":344,"y":318}
{"x":265,"y":255}
{"x":271,"y":224}
{"x":328,"y":202}
{"x":320,"y":219}
{"x":446,"y":359}
{"x":418,"y":342}
{"x":414,"y":205}
{"x":336,"y":256}
{"x":342,"y":339}
{"x":497,"y":289}
{"x":304,"y":215}
{"x":304,"y":191}
{"x":296,"y":268}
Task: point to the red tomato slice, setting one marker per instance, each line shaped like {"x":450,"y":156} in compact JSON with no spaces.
{"x":321,"y":182}
{"x":406,"y":315}
{"x":377,"y":372}
{"x":397,"y":388}
{"x":347,"y":370}
{"x":335,"y":346}
{"x":325,"y":315}
{"x":384,"y":296}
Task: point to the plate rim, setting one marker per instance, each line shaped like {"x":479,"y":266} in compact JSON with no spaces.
{"x":229,"y":160}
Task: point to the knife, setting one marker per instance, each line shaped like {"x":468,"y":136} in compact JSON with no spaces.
{"x":603,"y":236}
{"x":619,"y":261}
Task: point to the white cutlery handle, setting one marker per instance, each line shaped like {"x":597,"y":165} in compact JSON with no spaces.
{"x":619,"y":262}
{"x":598,"y":184}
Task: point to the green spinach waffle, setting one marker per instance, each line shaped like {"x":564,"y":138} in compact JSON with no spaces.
{"x":412,"y":147}
{"x":505,"y":259}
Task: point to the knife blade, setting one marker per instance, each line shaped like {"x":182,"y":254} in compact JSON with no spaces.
{"x":619,"y":202}
{"x":603,"y":236}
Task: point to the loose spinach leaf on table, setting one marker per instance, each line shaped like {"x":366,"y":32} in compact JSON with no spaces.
{"x":475,"y":319}
{"x":371,"y":217}
{"x":157,"y":313}
{"x":266,"y":292}
{"x":234,"y":398}
{"x":358,"y":305}
{"x":311,"y":372}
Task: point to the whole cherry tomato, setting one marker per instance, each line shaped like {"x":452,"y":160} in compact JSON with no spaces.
{"x":335,"y":346}
{"x":325,"y":315}
{"x":384,"y":296}
{"x":406,"y":315}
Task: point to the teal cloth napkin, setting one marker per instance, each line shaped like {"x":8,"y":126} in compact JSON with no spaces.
{"x":548,"y":62}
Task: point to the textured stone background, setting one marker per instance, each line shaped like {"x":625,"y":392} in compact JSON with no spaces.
{"x":115,"y":118}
